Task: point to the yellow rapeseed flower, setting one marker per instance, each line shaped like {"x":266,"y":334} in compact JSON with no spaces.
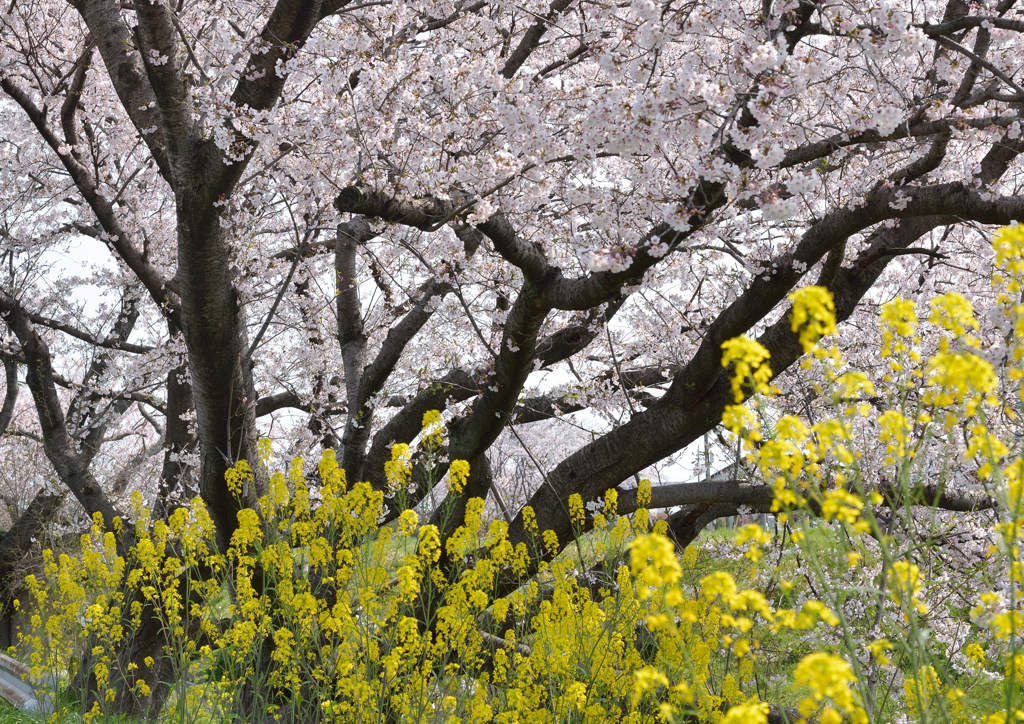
{"x":433,"y":429}
{"x":751,"y":712}
{"x":458,"y":474}
{"x":237,"y":476}
{"x":643,"y":493}
{"x":898,"y":321}
{"x":751,"y":366}
{"x":905,"y":585}
{"x":828,"y":677}
{"x":653,"y":562}
{"x":954,"y":313}
{"x":398,"y":470}
{"x":959,"y":379}
{"x":529,"y":519}
{"x":1008,"y":243}
{"x":550,"y":539}
{"x":813,"y":315}
{"x":577,"y":513}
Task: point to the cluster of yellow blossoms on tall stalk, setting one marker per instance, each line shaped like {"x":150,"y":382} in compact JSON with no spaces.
{"x":318,"y":612}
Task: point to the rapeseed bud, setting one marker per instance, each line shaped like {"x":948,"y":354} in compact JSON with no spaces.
{"x":407,"y":522}
{"x":611,"y":501}
{"x":577,"y":513}
{"x":429,"y":545}
{"x":529,"y":519}
{"x":643,"y":493}
{"x":550,"y":539}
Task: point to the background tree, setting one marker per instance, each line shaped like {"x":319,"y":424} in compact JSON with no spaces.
{"x":322,"y":218}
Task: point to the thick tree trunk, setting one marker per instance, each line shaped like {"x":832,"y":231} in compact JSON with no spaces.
{"x":215,"y":336}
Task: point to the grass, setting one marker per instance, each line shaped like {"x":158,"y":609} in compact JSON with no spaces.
{"x":10,"y":715}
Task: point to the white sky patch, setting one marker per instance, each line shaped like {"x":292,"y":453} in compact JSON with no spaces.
{"x":83,"y":256}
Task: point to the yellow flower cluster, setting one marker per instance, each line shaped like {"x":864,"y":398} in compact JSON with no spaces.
{"x":458,"y":474}
{"x":905,"y":585}
{"x":813,"y":315}
{"x":829,"y":678}
{"x":751,"y":366}
{"x":817,"y":470}
{"x":954,"y":313}
{"x":398,"y":469}
{"x":237,"y":476}
{"x":1008,"y":243}
{"x":577,"y":513}
{"x":752,"y":538}
{"x":894,"y":430}
{"x":654,"y":562}
{"x":898,"y":322}
{"x":959,"y":381}
{"x":433,"y":429}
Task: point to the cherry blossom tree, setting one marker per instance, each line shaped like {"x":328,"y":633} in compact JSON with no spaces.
{"x":320,"y":219}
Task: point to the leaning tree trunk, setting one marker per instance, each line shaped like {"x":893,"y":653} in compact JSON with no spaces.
{"x":15,"y":545}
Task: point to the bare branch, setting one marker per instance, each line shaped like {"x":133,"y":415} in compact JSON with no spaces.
{"x":934,"y":30}
{"x":532,"y":37}
{"x":984,"y":64}
{"x":279,"y":401}
{"x":59,"y":446}
{"x":72,"y":331}
{"x":123,"y":63}
{"x":113,"y":233}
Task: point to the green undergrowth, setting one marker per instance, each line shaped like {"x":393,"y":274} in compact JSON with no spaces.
{"x":10,"y":715}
